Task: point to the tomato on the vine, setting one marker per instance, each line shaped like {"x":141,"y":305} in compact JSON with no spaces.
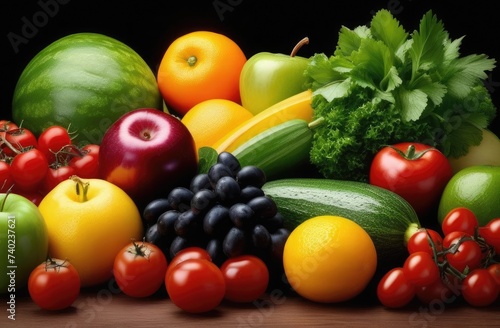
{"x":394,"y":290}
{"x":420,"y":269}
{"x":196,"y":285}
{"x":415,"y":171}
{"x":437,"y":291}
{"x":28,"y":169}
{"x":19,"y":138}
{"x":87,"y":165}
{"x":422,"y":241}
{"x":494,"y":270}
{"x":491,"y":234}
{"x":51,"y":140}
{"x":139,"y":269}
{"x":460,"y":219}
{"x":246,"y":276}
{"x":479,"y":288}
{"x":54,"y":284}
{"x":6,"y":180}
{"x":462,"y":251}
{"x":55,"y":175}
{"x":5,"y":126}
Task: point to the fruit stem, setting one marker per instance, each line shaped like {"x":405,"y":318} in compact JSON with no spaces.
{"x":411,"y":153}
{"x":84,"y":186}
{"x":298,"y":46}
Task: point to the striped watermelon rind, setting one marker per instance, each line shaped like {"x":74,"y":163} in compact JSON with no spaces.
{"x":84,"y":81}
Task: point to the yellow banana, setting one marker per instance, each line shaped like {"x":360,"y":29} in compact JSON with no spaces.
{"x":295,"y":107}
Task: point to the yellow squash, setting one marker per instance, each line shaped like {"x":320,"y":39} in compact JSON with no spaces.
{"x":295,"y":107}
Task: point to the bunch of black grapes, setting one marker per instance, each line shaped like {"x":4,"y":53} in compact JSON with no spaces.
{"x":224,"y":211}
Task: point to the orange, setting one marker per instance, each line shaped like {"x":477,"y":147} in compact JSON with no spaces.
{"x":90,"y":232}
{"x":210,"y":120}
{"x":198,"y":66}
{"x":329,"y":259}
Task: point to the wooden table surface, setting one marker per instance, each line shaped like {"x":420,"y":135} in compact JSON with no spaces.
{"x":106,"y":306}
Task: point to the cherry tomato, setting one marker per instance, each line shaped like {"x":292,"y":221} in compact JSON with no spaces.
{"x":139,"y":269}
{"x":28,"y":169}
{"x":54,"y":284}
{"x":462,"y":251}
{"x":55,"y":175}
{"x":421,"y":240}
{"x":394,"y":290}
{"x":420,"y":269}
{"x":415,"y":171}
{"x":6,"y":180}
{"x":491,"y":234}
{"x":186,"y":254}
{"x":196,"y":285}
{"x":437,"y":291}
{"x":87,"y":165}
{"x":6,"y":125}
{"x":52,"y":139}
{"x":460,"y":219}
{"x":19,"y":138}
{"x":494,"y":270}
{"x":246,"y":277}
{"x":479,"y":288}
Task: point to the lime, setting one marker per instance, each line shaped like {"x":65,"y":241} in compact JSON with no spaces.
{"x":476,"y":188}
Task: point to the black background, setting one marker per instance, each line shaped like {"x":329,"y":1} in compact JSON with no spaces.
{"x":149,"y":26}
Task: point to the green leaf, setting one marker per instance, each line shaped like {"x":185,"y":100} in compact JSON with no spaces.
{"x":467,"y":72}
{"x":459,"y":140}
{"x":386,"y":28}
{"x":350,"y":40}
{"x":412,"y":103}
{"x":333,"y":90}
{"x":373,"y":66}
{"x":427,"y":50}
{"x":320,"y":71}
{"x":207,"y":157}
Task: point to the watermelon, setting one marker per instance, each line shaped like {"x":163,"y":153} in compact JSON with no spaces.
{"x":84,"y":82}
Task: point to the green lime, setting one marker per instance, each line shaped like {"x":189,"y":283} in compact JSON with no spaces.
{"x":476,"y":188}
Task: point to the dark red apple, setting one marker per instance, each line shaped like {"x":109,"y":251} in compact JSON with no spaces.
{"x":147,"y":152}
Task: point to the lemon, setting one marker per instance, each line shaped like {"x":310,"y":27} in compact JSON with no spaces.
{"x":476,"y":188}
{"x":329,"y":259}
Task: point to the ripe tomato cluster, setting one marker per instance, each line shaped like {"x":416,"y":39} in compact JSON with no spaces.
{"x":32,"y":166}
{"x":460,"y":262}
{"x":194,"y":283}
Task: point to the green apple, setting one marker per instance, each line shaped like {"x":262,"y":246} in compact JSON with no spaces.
{"x":267,"y":78}
{"x":24,"y":241}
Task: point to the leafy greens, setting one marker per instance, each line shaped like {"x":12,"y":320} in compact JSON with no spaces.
{"x":383,"y":85}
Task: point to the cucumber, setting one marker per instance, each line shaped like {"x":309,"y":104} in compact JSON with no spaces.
{"x":279,"y":148}
{"x":388,"y":218}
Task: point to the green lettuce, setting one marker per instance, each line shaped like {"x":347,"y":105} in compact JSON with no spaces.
{"x":383,"y":85}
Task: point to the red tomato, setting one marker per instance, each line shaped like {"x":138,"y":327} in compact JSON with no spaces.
{"x":87,"y":165}
{"x":420,"y":269}
{"x":52,"y":139}
{"x":460,"y":219}
{"x":422,"y":241}
{"x":394,"y":290}
{"x":246,"y":277}
{"x":494,"y":270}
{"x":196,"y":285}
{"x":438,"y":291}
{"x":54,"y":284}
{"x":491,"y":234}
{"x":55,"y":175}
{"x":19,"y":138}
{"x":139,"y":269}
{"x":6,"y":180}
{"x":28,"y":169}
{"x":415,"y":171}
{"x":186,"y":254}
{"x":6,"y":125}
{"x":462,"y":251}
{"x":479,"y":288}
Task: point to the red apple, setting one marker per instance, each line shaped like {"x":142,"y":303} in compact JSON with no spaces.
{"x":147,"y":152}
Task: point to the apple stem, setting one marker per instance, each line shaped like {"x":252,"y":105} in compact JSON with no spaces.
{"x":84,"y":186}
{"x":298,"y":46}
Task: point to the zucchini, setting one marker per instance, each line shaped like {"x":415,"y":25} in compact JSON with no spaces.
{"x":279,"y":148}
{"x":388,"y":218}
